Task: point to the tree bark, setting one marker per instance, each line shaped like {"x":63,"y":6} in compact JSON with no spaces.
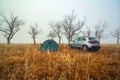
{"x":99,"y":40}
{"x":8,"y":41}
{"x":59,"y":40}
{"x":117,"y":41}
{"x":68,"y":41}
{"x":34,"y":41}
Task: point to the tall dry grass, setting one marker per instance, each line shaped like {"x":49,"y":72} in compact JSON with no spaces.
{"x":27,"y":62}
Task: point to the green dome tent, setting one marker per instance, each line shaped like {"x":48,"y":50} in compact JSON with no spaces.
{"x":49,"y":45}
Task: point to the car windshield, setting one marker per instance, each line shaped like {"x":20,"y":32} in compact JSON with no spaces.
{"x":92,"y":38}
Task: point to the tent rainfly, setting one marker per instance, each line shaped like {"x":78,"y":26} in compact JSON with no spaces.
{"x":50,"y":45}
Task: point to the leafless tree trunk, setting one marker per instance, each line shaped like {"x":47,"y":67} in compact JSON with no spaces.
{"x":88,"y":32}
{"x":52,"y":34}
{"x":71,"y":26}
{"x":34,"y":32}
{"x":56,"y":26}
{"x":116,"y":34}
{"x":10,"y":26}
{"x":99,"y":29}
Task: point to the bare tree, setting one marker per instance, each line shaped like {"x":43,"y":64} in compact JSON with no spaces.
{"x":52,"y":34}
{"x":57,"y":28}
{"x":99,"y":29}
{"x":71,"y":26}
{"x":9,"y":26}
{"x":34,"y":32}
{"x":88,"y":31}
{"x":116,"y":34}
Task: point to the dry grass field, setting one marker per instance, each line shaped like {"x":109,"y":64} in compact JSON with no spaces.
{"x":27,"y":62}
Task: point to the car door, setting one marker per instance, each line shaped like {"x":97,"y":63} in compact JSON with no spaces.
{"x":76,"y":42}
{"x":80,"y":42}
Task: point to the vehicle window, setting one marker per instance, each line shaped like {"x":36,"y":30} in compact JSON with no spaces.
{"x":84,"y":39}
{"x":73,"y":41}
{"x":81,"y":39}
{"x":92,"y":38}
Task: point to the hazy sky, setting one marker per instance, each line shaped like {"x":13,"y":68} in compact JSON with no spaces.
{"x":42,"y":11}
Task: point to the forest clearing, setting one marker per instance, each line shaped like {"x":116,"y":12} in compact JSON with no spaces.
{"x":27,"y":62}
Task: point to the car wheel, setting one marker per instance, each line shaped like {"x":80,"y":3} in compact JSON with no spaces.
{"x":95,"y":49}
{"x":85,"y":48}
